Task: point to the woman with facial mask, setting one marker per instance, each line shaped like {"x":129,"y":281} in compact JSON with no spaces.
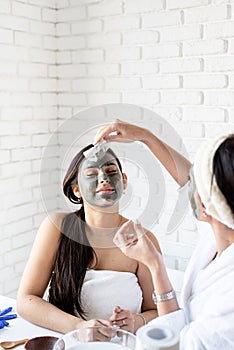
{"x":91,"y":282}
{"x":204,"y":318}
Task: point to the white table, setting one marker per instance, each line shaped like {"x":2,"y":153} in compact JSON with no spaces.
{"x":18,"y":327}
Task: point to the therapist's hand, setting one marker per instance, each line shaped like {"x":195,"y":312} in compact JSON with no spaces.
{"x":5,"y":316}
{"x":121,"y":131}
{"x":134,"y":242}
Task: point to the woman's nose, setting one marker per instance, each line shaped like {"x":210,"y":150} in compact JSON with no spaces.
{"x":103,"y":178}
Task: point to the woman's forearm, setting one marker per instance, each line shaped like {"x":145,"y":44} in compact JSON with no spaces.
{"x":176,"y":164}
{"x":162,"y":285}
{"x":42,"y":313}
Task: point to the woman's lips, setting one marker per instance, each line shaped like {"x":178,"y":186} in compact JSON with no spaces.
{"x":105,"y":190}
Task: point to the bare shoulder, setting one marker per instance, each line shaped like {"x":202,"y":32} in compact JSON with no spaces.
{"x":51,"y":225}
{"x":55,"y":219}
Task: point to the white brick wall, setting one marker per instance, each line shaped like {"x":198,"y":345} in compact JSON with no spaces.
{"x":25,"y":116}
{"x":58,"y":57}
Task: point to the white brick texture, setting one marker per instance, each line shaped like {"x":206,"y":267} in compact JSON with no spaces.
{"x":24,"y":114}
{"x":59,"y":57}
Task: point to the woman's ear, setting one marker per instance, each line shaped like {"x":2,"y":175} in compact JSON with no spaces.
{"x":125,"y":181}
{"x":203,"y":214}
{"x":76,"y":191}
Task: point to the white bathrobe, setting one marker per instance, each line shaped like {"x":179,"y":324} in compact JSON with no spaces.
{"x":206,"y":318}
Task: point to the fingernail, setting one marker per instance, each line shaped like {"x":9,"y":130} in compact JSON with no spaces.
{"x":116,"y":326}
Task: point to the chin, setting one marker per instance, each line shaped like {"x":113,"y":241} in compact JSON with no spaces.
{"x":110,"y":208}
{"x":109,"y":204}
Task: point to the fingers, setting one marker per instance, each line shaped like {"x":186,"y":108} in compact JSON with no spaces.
{"x":106,"y":133}
{"x":139,"y":229}
{"x":8,"y":317}
{"x":126,"y":235}
{"x":104,"y":334}
{"x":121,"y":323}
{"x":117,"y":309}
{"x":122,"y":319}
{"x":96,"y":330}
{"x":95,"y":323}
{"x":117,"y":131}
{"x":4,"y":316}
{"x":105,"y":323}
{"x":96,"y":333}
{"x":3,"y":324}
{"x":5,"y":311}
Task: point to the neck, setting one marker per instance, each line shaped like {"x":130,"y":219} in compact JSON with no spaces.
{"x":102,"y":218}
{"x":101,"y":225}
{"x":224,"y":236}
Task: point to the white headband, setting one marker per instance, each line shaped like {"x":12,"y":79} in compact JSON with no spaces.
{"x":211,"y":196}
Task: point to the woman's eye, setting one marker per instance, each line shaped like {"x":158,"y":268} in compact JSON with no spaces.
{"x":90,"y":174}
{"x":111,"y":171}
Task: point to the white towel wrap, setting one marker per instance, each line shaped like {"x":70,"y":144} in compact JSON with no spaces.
{"x":212,"y":198}
{"x":104,"y":289}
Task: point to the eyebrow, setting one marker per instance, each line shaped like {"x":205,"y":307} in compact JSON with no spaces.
{"x":109,"y":163}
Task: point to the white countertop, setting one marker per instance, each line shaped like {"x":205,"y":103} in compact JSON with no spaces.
{"x":18,"y":327}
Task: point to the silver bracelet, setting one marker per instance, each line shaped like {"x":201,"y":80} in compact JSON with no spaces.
{"x":157,"y":298}
{"x":143,"y":318}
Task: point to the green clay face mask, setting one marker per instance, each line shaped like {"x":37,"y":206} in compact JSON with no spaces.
{"x":192,"y":194}
{"x":100,"y":180}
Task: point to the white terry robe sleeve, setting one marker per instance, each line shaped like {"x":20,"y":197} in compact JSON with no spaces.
{"x":211,"y":333}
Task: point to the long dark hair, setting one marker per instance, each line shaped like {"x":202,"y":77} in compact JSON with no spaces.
{"x":223,"y":169}
{"x":74,"y":254}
